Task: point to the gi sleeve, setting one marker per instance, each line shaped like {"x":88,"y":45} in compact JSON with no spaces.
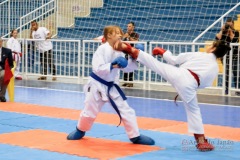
{"x":176,"y":60}
{"x":100,"y":67}
{"x":132,"y":65}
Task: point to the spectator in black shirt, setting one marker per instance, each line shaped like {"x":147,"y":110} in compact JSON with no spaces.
{"x":5,"y":56}
{"x":130,"y":35}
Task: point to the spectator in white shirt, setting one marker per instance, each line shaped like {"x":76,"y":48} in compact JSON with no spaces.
{"x":45,"y":48}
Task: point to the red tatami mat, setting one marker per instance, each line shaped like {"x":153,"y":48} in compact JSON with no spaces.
{"x":87,"y":147}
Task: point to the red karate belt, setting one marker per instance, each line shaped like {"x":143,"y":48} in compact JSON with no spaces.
{"x":195,"y":77}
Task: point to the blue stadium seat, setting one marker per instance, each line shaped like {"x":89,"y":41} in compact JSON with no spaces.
{"x":155,"y":19}
{"x":145,"y":35}
{"x":158,"y":11}
{"x":167,"y":3}
{"x":79,"y":33}
{"x":145,"y":22}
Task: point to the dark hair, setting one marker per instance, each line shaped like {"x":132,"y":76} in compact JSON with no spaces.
{"x":222,"y":47}
{"x":229,"y":20}
{"x":132,"y":23}
{"x":34,"y":21}
{"x":11,"y":34}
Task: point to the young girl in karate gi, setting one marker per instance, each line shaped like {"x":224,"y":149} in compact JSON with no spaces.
{"x":196,"y":70}
{"x":102,"y":87}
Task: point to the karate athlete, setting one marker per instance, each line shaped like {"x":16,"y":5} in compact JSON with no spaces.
{"x":196,"y":70}
{"x":102,"y":88}
{"x":15,"y":46}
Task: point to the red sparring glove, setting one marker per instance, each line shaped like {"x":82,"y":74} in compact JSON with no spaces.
{"x":20,"y":54}
{"x":158,"y":51}
{"x":103,"y":40}
{"x":126,"y":48}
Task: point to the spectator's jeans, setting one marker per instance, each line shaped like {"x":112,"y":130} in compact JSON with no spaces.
{"x":46,"y":59}
{"x":128,"y":76}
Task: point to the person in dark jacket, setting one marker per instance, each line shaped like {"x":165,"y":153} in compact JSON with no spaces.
{"x":5,"y":54}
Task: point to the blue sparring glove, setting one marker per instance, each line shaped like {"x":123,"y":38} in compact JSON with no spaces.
{"x":142,"y":139}
{"x":139,"y":46}
{"x":120,"y":61}
{"x":76,"y":134}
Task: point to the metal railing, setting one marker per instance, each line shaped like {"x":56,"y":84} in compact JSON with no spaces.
{"x":4,"y":21}
{"x":73,"y":60}
{"x":40,"y":14}
{"x":11,"y":12}
{"x":65,"y":56}
{"x":234,"y":71}
{"x":221,"y":19}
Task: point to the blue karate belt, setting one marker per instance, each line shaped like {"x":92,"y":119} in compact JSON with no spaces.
{"x":110,"y":85}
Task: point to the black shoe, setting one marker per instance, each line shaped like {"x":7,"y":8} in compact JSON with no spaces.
{"x":226,"y":92}
{"x":125,"y":84}
{"x":42,"y":78}
{"x":237,"y":93}
{"x":129,"y":85}
{"x":3,"y":99}
{"x":142,"y":139}
{"x":76,"y":134}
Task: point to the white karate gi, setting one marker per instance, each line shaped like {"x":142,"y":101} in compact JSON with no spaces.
{"x":201,"y":63}
{"x":15,"y":46}
{"x":96,"y":92}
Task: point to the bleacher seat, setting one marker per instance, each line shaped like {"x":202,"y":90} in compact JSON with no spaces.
{"x":154,"y":19}
{"x":152,"y":12}
{"x":145,"y":35}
